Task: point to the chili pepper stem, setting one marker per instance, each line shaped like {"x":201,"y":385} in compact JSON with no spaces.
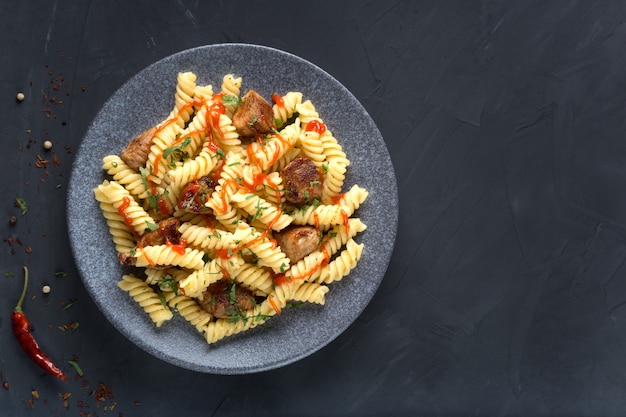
{"x":18,"y":307}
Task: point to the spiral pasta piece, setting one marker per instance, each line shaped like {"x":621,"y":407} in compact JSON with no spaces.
{"x":322,"y":215}
{"x":190,"y":309}
{"x":260,"y":209}
{"x":221,"y":328}
{"x":121,"y":234}
{"x":307,"y":113}
{"x":124,"y":175}
{"x":227,"y":138}
{"x":312,"y":147}
{"x":311,"y":293}
{"x":333,"y":180}
{"x":133,"y":214}
{"x":231,"y":86}
{"x":342,"y":265}
{"x":286,"y":107}
{"x":164,"y":277}
{"x":197,"y":282}
{"x":146,"y":297}
{"x":353,"y":198}
{"x":339,"y":235}
{"x":254,"y":278}
{"x":166,"y":255}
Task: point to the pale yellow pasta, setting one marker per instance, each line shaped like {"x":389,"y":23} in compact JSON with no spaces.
{"x":221,"y":328}
{"x":232,"y":239}
{"x":231,"y":86}
{"x":121,"y":234}
{"x":307,"y":268}
{"x":118,"y":196}
{"x":274,"y":147}
{"x":323,"y":214}
{"x":307,"y":113}
{"x":227,"y":137}
{"x":333,"y":180}
{"x":165,"y":138}
{"x":340,"y":234}
{"x":311,"y":293}
{"x":289,"y":102}
{"x":185,"y":90}
{"x":167,"y":255}
{"x":192,"y":169}
{"x":254,"y":278}
{"x":332,"y":149}
{"x":312,"y":147}
{"x":342,"y":265}
{"x":265,"y":251}
{"x":203,"y":92}
{"x":146,"y":297}
{"x":353,"y":198}
{"x":164,"y":277}
{"x":205,"y":238}
{"x":197,"y":282}
{"x":125,"y":176}
{"x":261,"y":210}
{"x":189,"y":309}
{"x":284,"y":160}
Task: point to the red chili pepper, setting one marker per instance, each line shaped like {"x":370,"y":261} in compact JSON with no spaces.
{"x":22,"y":332}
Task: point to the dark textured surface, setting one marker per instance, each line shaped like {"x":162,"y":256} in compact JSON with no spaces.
{"x":504,"y":120}
{"x":295,"y":334}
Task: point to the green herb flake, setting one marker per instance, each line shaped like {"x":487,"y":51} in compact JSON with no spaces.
{"x":21,"y":203}
{"x":176,"y":148}
{"x":74,"y":364}
{"x":230,"y":100}
{"x":152,"y":226}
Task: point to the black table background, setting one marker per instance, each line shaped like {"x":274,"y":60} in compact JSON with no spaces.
{"x":505,"y":122}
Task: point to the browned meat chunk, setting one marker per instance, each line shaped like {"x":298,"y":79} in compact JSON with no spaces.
{"x":196,"y":194}
{"x":127,"y":259}
{"x":254,"y":116}
{"x":302,"y":180}
{"x":135,"y":154}
{"x":225,"y":299}
{"x":167,"y":232}
{"x":297,"y":241}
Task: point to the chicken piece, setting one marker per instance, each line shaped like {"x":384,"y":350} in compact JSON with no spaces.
{"x":196,"y":194}
{"x":227,"y":300}
{"x":127,"y":259}
{"x":167,"y":232}
{"x":135,"y":154}
{"x":297,"y":241}
{"x":303,"y":181}
{"x":254,"y":116}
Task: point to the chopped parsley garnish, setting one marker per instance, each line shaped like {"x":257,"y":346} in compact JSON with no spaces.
{"x":230,"y":100}
{"x":176,"y":148}
{"x":152,"y":226}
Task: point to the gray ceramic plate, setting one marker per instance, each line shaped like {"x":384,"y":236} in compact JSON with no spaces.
{"x":146,"y":99}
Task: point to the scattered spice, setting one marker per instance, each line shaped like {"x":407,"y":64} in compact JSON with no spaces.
{"x":5,"y":385}
{"x":28,"y":249}
{"x":20,"y":96}
{"x":45,"y":289}
{"x":12,"y":220}
{"x":47,"y":145}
